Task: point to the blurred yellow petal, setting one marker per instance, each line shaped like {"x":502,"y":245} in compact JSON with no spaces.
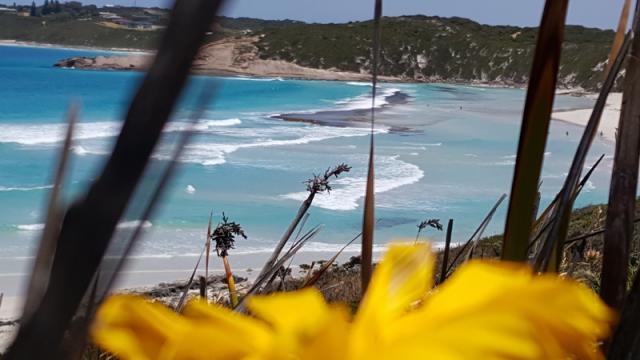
{"x":331,"y":339}
{"x":504,"y":311}
{"x":296,"y":318}
{"x":136,"y":329}
{"x":402,"y":278}
{"x":486,"y":310}
{"x":301,"y":312}
{"x":240,"y":334}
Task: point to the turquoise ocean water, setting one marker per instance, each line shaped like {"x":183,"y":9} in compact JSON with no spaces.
{"x":454,"y":164}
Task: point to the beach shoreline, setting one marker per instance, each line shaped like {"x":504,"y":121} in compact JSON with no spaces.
{"x":238,"y":65}
{"x":608,"y":122}
{"x":33,"y":44}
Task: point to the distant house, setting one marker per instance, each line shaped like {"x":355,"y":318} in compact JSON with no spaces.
{"x":131,"y":24}
{"x":107,"y":15}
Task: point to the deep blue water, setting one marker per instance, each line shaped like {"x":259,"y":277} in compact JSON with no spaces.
{"x":455,"y":164}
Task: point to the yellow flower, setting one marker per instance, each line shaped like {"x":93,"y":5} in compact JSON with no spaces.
{"x":486,"y":310}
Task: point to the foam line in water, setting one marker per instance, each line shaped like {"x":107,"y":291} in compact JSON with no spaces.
{"x":50,"y":133}
{"x":364,"y":101}
{"x":210,"y":154}
{"x":24,"y":188}
{"x":392,"y":173}
{"x":122,"y":225}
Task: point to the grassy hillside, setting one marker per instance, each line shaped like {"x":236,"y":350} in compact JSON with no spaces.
{"x":413,"y":47}
{"x":69,"y":32}
{"x":434,"y":48}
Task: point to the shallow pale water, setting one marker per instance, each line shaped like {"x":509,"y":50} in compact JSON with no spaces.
{"x":455,"y":164}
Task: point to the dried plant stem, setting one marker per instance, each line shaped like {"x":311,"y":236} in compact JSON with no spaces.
{"x":534,"y":131}
{"x":208,"y":251}
{"x":619,"y":38}
{"x":551,"y":253}
{"x":302,"y":210}
{"x":368,"y":221}
{"x":624,"y":182}
{"x":231,"y":284}
{"x":445,"y":256}
{"x":625,"y":343}
{"x":42,"y":263}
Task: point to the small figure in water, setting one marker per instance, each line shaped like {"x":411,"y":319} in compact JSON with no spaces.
{"x":567,"y":133}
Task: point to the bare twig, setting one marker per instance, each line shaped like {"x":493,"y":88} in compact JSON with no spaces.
{"x":315,"y":185}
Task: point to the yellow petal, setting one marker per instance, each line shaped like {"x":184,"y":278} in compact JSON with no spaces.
{"x":135,"y":329}
{"x":402,"y":278}
{"x":331,"y":339}
{"x":497,"y":310}
{"x":301,"y":312}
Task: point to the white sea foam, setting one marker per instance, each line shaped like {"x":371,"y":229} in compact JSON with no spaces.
{"x":134,"y":223}
{"x":589,"y":186}
{"x":358,"y":83}
{"x":502,"y":163}
{"x":24,"y":188}
{"x":364,"y":101}
{"x":190,"y":189}
{"x":244,"y":78}
{"x":50,"y":133}
{"x":79,"y":150}
{"x":548,"y":153}
{"x":310,"y":247}
{"x":122,"y":225}
{"x":391,"y":174}
{"x":209,"y":154}
{"x":34,"y":134}
{"x":30,"y":227}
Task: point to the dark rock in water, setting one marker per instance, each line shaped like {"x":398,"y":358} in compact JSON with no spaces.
{"x":76,"y":62}
{"x":394,"y":221}
{"x":350,"y":118}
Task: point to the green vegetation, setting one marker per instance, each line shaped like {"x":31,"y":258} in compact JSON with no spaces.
{"x":422,"y":48}
{"x":73,"y":33}
{"x":435,"y":48}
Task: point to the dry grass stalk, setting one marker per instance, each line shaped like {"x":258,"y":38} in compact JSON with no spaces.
{"x":368,"y":222}
{"x":624,"y":182}
{"x":46,"y":249}
{"x":562,"y":210}
{"x":447,"y":249}
{"x":619,"y":38}
{"x":315,"y":185}
{"x":534,"y":131}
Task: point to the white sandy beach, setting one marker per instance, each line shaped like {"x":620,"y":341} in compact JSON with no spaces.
{"x":148,"y":272}
{"x":608,"y":122}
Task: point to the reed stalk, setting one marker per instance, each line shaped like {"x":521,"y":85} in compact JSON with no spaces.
{"x":534,"y":131}
{"x":445,"y":256}
{"x":368,"y":221}
{"x":624,"y":182}
{"x":231,"y":284}
{"x":315,"y":185}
